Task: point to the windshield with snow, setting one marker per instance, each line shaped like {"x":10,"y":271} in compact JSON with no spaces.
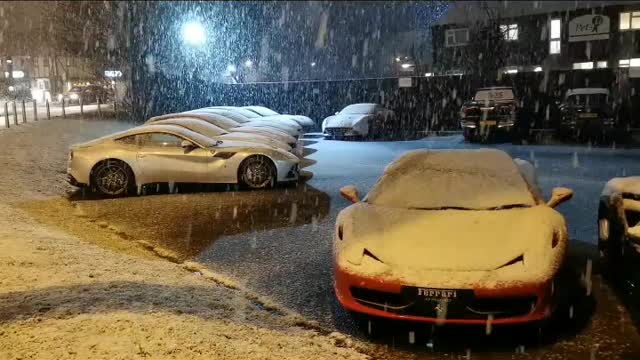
{"x":473,"y":180}
{"x":359,"y":109}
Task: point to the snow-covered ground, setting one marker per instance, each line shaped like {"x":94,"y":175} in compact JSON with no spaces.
{"x":64,"y":297}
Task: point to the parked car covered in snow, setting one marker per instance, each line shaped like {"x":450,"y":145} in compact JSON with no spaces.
{"x":492,"y":112}
{"x":230,"y":125}
{"x":363,"y":120}
{"x":451,"y":236}
{"x":240,"y":115}
{"x":121,"y":163}
{"x":304,"y":121}
{"x":586,"y":113}
{"x":619,"y":229}
{"x":216,"y":133}
{"x":255,"y":117}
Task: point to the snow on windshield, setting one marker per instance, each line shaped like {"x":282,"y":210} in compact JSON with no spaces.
{"x":359,"y":109}
{"x":478,"y":179}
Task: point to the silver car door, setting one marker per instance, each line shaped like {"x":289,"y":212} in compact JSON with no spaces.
{"x":162,"y":158}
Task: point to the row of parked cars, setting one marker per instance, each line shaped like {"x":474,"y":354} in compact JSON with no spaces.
{"x":496,"y":112}
{"x":252,"y":146}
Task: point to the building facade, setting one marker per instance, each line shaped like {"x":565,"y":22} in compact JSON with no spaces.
{"x":541,"y":36}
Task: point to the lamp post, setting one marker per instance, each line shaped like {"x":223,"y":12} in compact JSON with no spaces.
{"x":193,"y":33}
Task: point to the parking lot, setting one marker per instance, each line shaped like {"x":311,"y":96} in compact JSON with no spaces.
{"x":278,"y":242}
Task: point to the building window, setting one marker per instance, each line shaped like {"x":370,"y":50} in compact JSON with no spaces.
{"x":510,"y":32}
{"x":456,"y":37}
{"x":583,"y":66}
{"x":601,"y":64}
{"x":630,"y":20}
{"x":623,"y":63}
{"x":554,"y":36}
{"x":634,"y":62}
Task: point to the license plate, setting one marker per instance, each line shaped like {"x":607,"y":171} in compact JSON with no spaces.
{"x":588,"y":115}
{"x":434,"y":294}
{"x":488,"y":123}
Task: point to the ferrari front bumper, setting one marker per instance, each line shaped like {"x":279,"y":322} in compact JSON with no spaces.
{"x":523,"y":303}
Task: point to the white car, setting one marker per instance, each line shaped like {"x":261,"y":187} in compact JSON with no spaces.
{"x":452,"y":236}
{"x":290,"y":127}
{"x":231,"y":125}
{"x":364,"y":120}
{"x":121,"y":163}
{"x":263,"y":111}
{"x":216,"y":133}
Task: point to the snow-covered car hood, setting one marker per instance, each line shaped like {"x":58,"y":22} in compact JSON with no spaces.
{"x":287,"y":128}
{"x":413,"y":243}
{"x":621,"y":185}
{"x":271,"y":132}
{"x":343,"y":121}
{"x":303,"y":120}
{"x":255,"y":138}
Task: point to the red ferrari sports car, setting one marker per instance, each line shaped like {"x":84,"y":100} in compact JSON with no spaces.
{"x":457,"y":237}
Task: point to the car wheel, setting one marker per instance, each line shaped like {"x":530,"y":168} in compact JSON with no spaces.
{"x":609,"y":233}
{"x":112,"y":178}
{"x":257,"y":172}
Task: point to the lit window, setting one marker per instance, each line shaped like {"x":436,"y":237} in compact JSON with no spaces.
{"x":456,"y":37}
{"x":554,"y":38}
{"x":623,"y":63}
{"x":630,"y":20}
{"x":510,"y":32}
{"x":583,"y":66}
{"x":601,"y":64}
{"x":634,"y":62}
{"x":537,"y":69}
{"x":554,"y":47}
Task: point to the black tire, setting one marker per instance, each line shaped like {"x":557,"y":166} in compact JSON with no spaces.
{"x":610,"y":249}
{"x":113,"y":178}
{"x":257,"y":172}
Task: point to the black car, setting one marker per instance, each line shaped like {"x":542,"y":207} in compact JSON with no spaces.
{"x":586,"y":114}
{"x":88,"y":94}
{"x":619,"y":230}
{"x":491,"y":113}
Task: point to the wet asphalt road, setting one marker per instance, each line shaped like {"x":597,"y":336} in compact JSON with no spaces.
{"x":293,"y":264}
{"x":278,"y":243}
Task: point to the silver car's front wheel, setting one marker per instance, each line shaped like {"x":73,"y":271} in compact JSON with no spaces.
{"x":112,"y":178}
{"x":257,"y":172}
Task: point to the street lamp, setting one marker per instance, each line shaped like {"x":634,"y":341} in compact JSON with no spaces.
{"x":231,"y":68}
{"x":193,"y":33}
{"x":248,"y":63}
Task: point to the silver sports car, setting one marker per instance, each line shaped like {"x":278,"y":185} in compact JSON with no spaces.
{"x":121,"y":163}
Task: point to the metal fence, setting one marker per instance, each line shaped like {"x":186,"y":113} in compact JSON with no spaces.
{"x":16,"y":112}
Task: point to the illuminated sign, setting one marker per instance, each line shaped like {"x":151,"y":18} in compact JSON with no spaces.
{"x":113,"y":73}
{"x":589,"y":27}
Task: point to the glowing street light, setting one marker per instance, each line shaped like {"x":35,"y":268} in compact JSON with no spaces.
{"x":193,"y":33}
{"x":248,"y":63}
{"x":231,"y":68}
{"x":313,"y":64}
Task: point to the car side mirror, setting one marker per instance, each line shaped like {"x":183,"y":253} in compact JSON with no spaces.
{"x":186,"y":144}
{"x":559,"y":195}
{"x":350,"y":192}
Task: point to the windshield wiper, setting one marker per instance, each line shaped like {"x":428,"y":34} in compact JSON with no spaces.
{"x":441,"y":208}
{"x":509,"y":206}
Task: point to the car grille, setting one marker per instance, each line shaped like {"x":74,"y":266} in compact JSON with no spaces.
{"x":470,"y":308}
{"x":337,"y":130}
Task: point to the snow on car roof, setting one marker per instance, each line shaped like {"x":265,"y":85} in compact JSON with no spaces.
{"x":192,"y":122}
{"x":629,"y":185}
{"x":587,"y":91}
{"x":433,"y":179}
{"x":172,"y":129}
